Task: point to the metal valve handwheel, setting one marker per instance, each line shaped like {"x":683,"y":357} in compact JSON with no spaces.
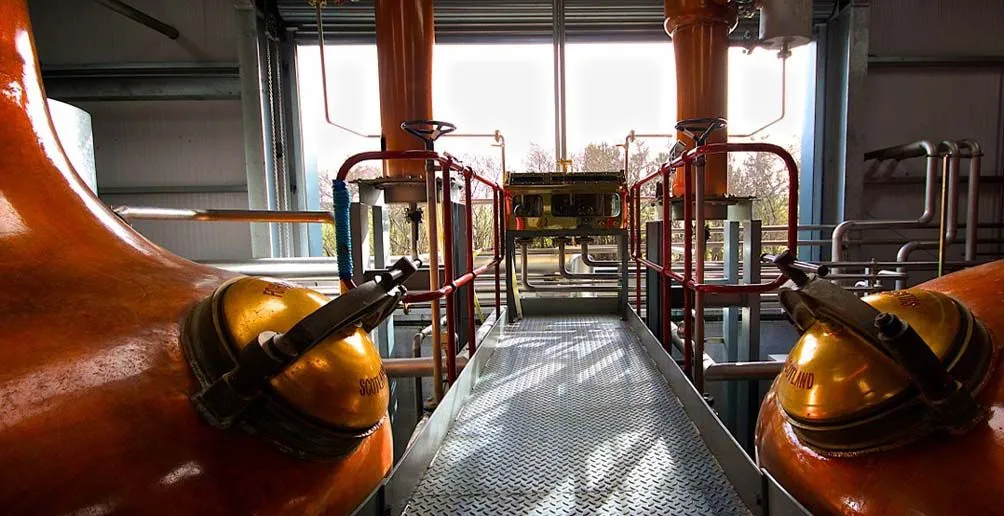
{"x":428,"y":130}
{"x":701,"y":128}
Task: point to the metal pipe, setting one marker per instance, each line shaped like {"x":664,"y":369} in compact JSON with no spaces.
{"x":949,"y":213}
{"x":578,"y":276}
{"x":701,"y":255}
{"x":631,"y":138}
{"x":586,"y":259}
{"x":715,"y":371}
{"x":558,"y":38}
{"x":324,"y":78}
{"x":433,"y":230}
{"x":150,"y":213}
{"x":139,"y":16}
{"x":972,"y":196}
{"x":899,"y":152}
{"x":416,"y":367}
{"x":524,"y":278}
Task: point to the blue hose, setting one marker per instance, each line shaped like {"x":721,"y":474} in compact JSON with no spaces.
{"x":343,"y":236}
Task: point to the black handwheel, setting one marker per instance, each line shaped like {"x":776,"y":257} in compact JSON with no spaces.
{"x":701,"y":128}
{"x":428,"y":130}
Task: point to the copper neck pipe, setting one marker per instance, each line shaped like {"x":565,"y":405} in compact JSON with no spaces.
{"x":405,"y":39}
{"x":700,"y":31}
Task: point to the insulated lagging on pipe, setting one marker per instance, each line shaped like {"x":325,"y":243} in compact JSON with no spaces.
{"x":342,"y":199}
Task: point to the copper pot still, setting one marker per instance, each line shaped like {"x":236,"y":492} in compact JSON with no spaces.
{"x":849,"y":428}
{"x":98,"y":414}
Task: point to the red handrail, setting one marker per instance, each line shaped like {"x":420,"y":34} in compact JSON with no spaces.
{"x":691,"y":285}
{"x":447,"y":165}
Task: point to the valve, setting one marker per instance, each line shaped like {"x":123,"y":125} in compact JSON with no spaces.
{"x":428,"y":130}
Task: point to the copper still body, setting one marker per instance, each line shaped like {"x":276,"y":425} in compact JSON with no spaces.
{"x":835,"y":428}
{"x":405,"y":39}
{"x":97,"y":415}
{"x":700,"y":31}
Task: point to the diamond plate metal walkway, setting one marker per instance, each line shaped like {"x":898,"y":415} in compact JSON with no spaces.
{"x":572,"y":417}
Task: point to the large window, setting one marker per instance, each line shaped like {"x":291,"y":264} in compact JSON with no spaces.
{"x":480,"y":88}
{"x":611,"y":89}
{"x":614,"y":88}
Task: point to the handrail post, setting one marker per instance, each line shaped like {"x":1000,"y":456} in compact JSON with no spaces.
{"x":468,"y":198}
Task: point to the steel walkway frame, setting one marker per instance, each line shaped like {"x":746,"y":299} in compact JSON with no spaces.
{"x":441,"y":474}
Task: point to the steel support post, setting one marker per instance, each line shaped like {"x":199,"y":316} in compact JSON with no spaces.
{"x":622,"y":301}
{"x":360,"y":223}
{"x":748,"y":400}
{"x":730,"y":324}
{"x":653,"y":281}
{"x":257,"y":155}
{"x":510,"y":272}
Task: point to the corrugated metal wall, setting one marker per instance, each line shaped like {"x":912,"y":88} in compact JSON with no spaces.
{"x":167,"y":153}
{"x":958,"y":97}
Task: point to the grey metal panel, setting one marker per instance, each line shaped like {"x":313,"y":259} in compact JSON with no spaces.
{"x":846,"y":63}
{"x":72,"y":33}
{"x":167,"y":143}
{"x":572,"y":417}
{"x":899,"y":109}
{"x":937,"y":27}
{"x":193,"y":240}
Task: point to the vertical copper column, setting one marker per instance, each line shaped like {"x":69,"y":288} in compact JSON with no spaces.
{"x":700,"y":31}
{"x":405,"y":37}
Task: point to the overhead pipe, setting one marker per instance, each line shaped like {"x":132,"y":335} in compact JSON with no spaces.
{"x":139,"y":16}
{"x":149,"y":213}
{"x":973,"y":195}
{"x":948,"y":226}
{"x":318,"y":6}
{"x":631,"y":138}
{"x":898,"y":153}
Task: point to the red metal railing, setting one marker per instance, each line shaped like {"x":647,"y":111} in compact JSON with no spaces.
{"x":447,"y":165}
{"x":695,"y":286}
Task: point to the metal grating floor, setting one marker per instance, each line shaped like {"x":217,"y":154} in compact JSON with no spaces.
{"x":571,"y":416}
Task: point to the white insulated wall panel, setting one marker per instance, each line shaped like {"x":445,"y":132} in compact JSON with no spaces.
{"x":168,"y":143}
{"x":145,"y":145}
{"x":936,"y":27}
